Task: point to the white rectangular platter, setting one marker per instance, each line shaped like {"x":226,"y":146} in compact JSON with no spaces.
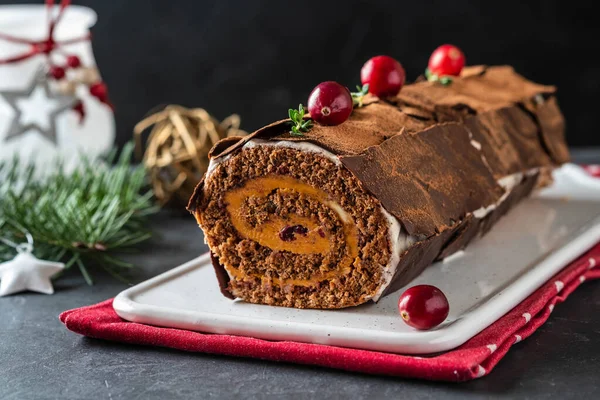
{"x":525,"y":249}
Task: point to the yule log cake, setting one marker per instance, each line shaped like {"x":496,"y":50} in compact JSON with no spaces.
{"x":346,"y":214}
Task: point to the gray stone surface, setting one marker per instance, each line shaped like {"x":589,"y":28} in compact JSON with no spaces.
{"x":40,"y":359}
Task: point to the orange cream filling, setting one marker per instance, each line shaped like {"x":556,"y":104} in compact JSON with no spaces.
{"x":267,"y":234}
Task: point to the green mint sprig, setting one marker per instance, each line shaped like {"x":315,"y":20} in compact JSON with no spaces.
{"x":431,"y":77}
{"x":358,"y":97}
{"x":299,"y":124}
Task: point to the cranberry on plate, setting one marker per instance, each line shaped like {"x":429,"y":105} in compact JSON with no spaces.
{"x":423,"y":306}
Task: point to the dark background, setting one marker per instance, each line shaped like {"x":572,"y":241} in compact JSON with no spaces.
{"x":258,"y":58}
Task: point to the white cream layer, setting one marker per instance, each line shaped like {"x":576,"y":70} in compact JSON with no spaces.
{"x":508,"y":183}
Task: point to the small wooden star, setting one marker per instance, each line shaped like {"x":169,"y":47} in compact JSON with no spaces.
{"x":26,"y":272}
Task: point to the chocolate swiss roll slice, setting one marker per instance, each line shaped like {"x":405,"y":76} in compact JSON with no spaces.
{"x":346,"y":214}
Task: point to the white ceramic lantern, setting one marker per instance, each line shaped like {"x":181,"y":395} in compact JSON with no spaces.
{"x":37,"y":120}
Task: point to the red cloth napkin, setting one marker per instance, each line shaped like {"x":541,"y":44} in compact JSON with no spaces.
{"x":473,"y":359}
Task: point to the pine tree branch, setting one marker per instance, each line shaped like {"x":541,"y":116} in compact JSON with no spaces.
{"x":82,"y":218}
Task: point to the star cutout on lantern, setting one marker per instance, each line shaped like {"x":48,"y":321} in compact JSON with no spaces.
{"x":26,"y":272}
{"x":36,"y":107}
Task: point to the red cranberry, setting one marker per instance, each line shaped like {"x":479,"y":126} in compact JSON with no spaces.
{"x":99,"y":91}
{"x":384,"y":75}
{"x":57,"y":72}
{"x":423,"y":306}
{"x":288,"y":233}
{"x":73,"y":62}
{"x":330,"y":103}
{"x":446,"y":60}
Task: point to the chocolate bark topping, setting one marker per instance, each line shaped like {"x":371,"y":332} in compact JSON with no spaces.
{"x":406,"y":179}
{"x":222,"y":276}
{"x":433,"y":155}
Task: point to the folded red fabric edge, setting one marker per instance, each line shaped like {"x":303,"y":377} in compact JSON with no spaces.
{"x":474,"y":359}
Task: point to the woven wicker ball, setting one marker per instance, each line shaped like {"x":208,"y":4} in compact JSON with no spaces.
{"x":177,"y":147}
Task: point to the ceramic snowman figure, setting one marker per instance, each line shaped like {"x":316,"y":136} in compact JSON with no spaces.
{"x":45,"y":114}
